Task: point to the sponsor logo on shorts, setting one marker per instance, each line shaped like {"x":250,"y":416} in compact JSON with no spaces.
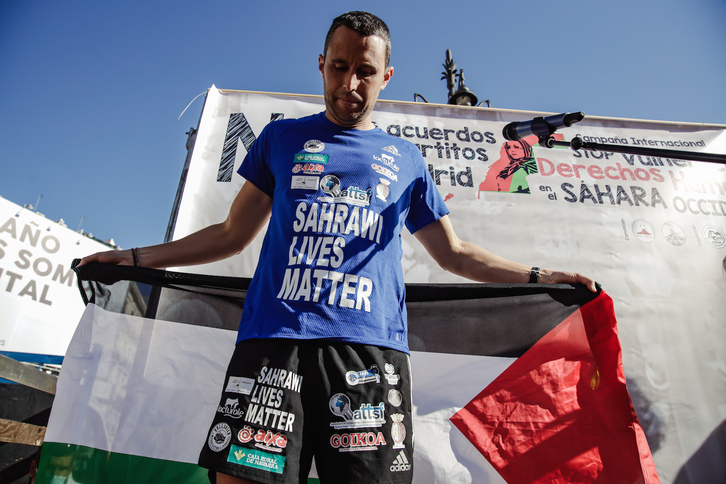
{"x":401,"y":464}
{"x":314,"y":146}
{"x":239,"y":384}
{"x":231,"y":408}
{"x":256,"y":459}
{"x":219,"y":437}
{"x":395,"y":397}
{"x":366,"y":416}
{"x":355,"y":442}
{"x":264,"y":439}
{"x":398,"y":431}
{"x":391,"y":378}
{"x":365,"y":376}
{"x":339,"y":405}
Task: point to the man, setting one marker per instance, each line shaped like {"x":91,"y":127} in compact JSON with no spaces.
{"x":321,"y":364}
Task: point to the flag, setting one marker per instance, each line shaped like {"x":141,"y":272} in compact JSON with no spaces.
{"x":133,"y":401}
{"x":561,"y":412}
{"x":138,"y":391}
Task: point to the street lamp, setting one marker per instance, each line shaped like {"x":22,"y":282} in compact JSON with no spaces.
{"x":463,"y":96}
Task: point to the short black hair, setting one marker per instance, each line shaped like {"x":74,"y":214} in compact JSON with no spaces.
{"x":365,"y":24}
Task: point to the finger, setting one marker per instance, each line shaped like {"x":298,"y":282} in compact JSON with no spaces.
{"x":587,"y":281}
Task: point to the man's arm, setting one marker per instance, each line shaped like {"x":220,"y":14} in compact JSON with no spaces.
{"x":471,"y":261}
{"x":249,"y":212}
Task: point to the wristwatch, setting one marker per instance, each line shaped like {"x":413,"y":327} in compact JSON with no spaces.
{"x":534,"y":275}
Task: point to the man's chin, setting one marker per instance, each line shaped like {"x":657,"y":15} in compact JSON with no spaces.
{"x":348,"y":118}
{"x":350,"y":110}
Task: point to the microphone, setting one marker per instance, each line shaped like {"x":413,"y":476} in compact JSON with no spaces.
{"x":540,"y":126}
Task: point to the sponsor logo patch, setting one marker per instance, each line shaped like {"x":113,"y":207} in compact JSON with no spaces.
{"x":310,"y":158}
{"x":330,"y":185}
{"x":239,"y":384}
{"x":303,"y":182}
{"x":401,"y":464}
{"x":355,"y":442}
{"x":366,"y":416}
{"x":264,"y":439}
{"x":340,"y":406}
{"x":384,"y":171}
{"x":392,"y":150}
{"x":256,"y":459}
{"x":394,"y":397}
{"x":398,"y":431}
{"x":390,"y":375}
{"x":365,"y":376}
{"x":308,"y":168}
{"x":230,"y":408}
{"x":382,"y":190}
{"x":219,"y":437}
{"x":314,"y":146}
{"x":389,"y":161}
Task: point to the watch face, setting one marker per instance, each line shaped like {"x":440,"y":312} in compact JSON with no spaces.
{"x":534,"y":275}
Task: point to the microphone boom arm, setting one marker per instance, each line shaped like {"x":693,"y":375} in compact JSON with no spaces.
{"x":577,"y":144}
{"x":544,"y":128}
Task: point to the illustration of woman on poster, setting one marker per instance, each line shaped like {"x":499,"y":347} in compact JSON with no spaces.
{"x":509,"y":172}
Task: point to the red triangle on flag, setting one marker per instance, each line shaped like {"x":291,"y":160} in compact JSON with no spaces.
{"x":561,"y":412}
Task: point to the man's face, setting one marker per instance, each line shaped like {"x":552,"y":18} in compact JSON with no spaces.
{"x":354,"y":73}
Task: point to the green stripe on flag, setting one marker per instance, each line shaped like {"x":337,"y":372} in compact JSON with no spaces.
{"x":91,"y":466}
{"x":88,"y":465}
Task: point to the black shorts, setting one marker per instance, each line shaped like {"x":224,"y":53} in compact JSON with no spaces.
{"x":285,"y":401}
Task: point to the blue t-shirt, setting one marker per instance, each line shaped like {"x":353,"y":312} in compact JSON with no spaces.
{"x":330,"y":264}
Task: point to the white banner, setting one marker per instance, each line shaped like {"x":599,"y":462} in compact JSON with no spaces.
{"x":39,"y":300}
{"x":651,"y":230}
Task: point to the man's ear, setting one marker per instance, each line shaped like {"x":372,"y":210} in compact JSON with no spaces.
{"x":321,"y":63}
{"x":387,"y":77}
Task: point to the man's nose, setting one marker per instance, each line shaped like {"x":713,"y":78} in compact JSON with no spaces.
{"x":352,"y":82}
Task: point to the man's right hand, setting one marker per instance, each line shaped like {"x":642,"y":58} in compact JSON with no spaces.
{"x":119,"y":257}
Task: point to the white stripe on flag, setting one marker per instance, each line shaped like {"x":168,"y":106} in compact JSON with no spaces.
{"x":442,"y":385}
{"x":139,"y":386}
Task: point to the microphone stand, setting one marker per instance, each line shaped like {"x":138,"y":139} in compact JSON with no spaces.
{"x":544,"y":131}
{"x":577,"y":143}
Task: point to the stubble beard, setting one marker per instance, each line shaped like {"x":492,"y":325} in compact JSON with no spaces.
{"x":343,"y":116}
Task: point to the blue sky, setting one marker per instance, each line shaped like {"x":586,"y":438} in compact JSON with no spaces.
{"x":91,"y":91}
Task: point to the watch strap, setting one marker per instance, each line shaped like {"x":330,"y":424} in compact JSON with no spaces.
{"x":534,"y":275}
